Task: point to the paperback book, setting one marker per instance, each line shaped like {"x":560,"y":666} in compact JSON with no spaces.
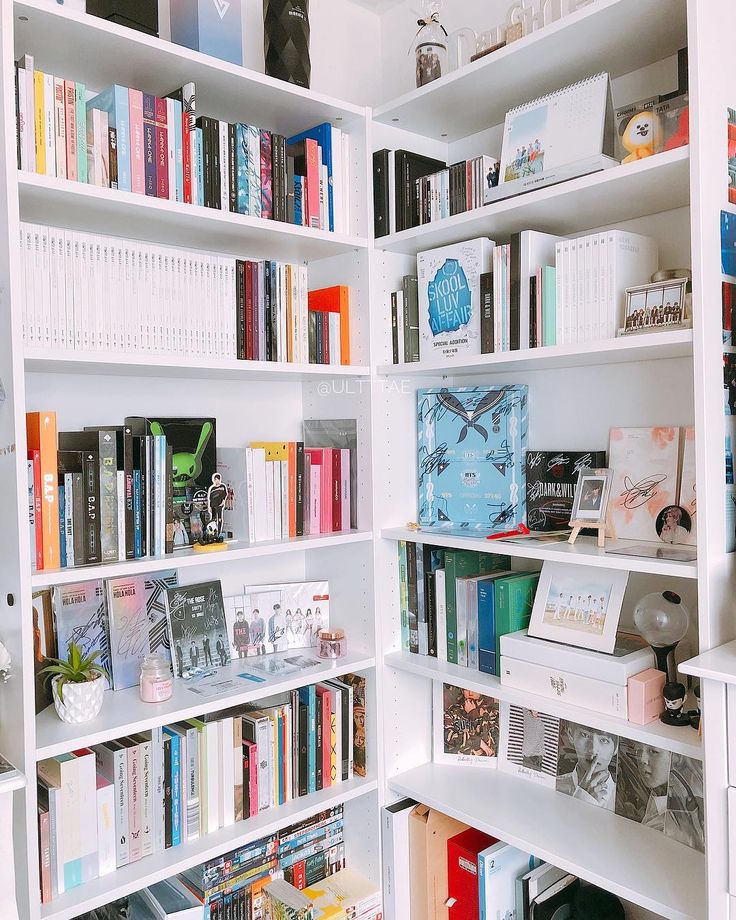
{"x":197,"y":629}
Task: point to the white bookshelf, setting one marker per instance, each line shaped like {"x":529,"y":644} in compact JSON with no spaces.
{"x":576,"y":394}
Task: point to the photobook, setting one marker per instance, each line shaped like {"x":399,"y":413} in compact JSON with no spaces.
{"x":471,"y":443}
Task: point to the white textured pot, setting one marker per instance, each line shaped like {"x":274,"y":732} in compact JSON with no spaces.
{"x":81,"y":703}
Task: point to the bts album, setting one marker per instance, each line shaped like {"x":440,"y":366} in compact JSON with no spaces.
{"x":471,"y":443}
{"x":551,"y":477}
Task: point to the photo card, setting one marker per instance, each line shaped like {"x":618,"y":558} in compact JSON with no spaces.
{"x":591,"y":496}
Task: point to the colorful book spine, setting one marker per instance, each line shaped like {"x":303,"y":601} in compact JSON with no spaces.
{"x":162,"y":148}
{"x":149,"y":144}
{"x":266,"y":175}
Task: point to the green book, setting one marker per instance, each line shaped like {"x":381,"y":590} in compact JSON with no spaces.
{"x":514,"y":598}
{"x":549,"y":309}
{"x":403,"y":602}
{"x":458,"y":564}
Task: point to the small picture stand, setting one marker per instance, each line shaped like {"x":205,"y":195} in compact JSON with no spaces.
{"x":604,"y":528}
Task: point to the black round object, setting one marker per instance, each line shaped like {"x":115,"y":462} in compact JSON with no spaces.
{"x":593,"y":903}
{"x":286,"y":40}
{"x":672,"y":597}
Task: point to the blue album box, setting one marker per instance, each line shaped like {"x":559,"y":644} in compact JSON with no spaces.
{"x":471,"y":443}
{"x":211,"y":26}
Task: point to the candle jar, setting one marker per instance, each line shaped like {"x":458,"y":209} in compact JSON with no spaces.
{"x":332,"y":643}
{"x":157,"y":684}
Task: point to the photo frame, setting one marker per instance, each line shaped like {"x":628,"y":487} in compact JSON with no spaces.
{"x":655,"y":307}
{"x":592,"y":492}
{"x":578,"y":605}
{"x":466,"y":726}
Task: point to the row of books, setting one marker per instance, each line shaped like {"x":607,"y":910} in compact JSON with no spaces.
{"x":153,"y":296}
{"x":405,"y":321}
{"x":456,"y":189}
{"x":456,"y":604}
{"x":435,"y":860}
{"x":232,"y":885}
{"x":115,"y":803}
{"x":343,"y":896}
{"x":134,"y":141}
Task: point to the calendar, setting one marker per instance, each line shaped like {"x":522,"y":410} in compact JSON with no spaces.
{"x":571,"y":124}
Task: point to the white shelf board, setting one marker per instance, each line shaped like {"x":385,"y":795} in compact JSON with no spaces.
{"x":154,"y":868}
{"x":124,"y":712}
{"x":583,"y":552}
{"x":614,"y":35}
{"x":60,"y":40}
{"x":624,"y":192}
{"x":617,"y":854}
{"x":646,"y":347}
{"x":188,"y":558}
{"x":715,"y":664}
{"x":681,"y":740}
{"x":76,"y":206}
{"x":142,"y":364}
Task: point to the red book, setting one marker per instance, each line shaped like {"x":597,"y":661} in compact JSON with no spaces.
{"x":462,"y":873}
{"x":186,"y":156}
{"x":292,"y":489}
{"x":312,"y":196}
{"x":299,"y":875}
{"x":336,"y":497}
{"x":162,"y":150}
{"x":325,"y":701}
{"x":334,"y":300}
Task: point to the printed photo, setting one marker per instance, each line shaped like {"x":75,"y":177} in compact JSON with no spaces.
{"x":197,"y":629}
{"x":287,"y":616}
{"x":654,"y":306}
{"x":529,"y":743}
{"x":673,"y":524}
{"x":578,"y":605}
{"x":526,"y":151}
{"x":591,"y":496}
{"x":685,"y":807}
{"x":643,"y":776}
{"x":469,"y":723}
{"x":587,"y":764}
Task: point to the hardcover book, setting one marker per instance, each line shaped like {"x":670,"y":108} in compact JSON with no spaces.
{"x":471,"y":443}
{"x":197,"y":630}
{"x":81,"y":617}
{"x":449,"y":298}
{"x":551,"y":477}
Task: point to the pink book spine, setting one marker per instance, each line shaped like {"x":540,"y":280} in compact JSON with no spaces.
{"x":315,"y":479}
{"x":252,"y":777}
{"x":162,"y":150}
{"x":345,"y":488}
{"x":70,"y":107}
{"x":134,"y":804}
{"x":137,"y":157}
{"x":326,"y":704}
{"x":325,"y":487}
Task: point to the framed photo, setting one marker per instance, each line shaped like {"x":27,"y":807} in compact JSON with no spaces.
{"x":578,"y":605}
{"x":591,"y":496}
{"x":652,"y":307}
{"x":466,"y":726}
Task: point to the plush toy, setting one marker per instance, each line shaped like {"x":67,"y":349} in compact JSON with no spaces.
{"x":639,"y":136}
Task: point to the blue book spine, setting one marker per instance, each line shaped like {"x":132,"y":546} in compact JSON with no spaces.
{"x":137,"y":532}
{"x":175,"y":788}
{"x":62,"y":528}
{"x":482,"y":887}
{"x":280,"y":761}
{"x":487,"y":628}
{"x":323,"y":135}
{"x":308,"y":695}
{"x":298,"y":199}
{"x":178,"y":150}
{"x":114,"y":101}
{"x":242,"y":151}
{"x":199,"y":167}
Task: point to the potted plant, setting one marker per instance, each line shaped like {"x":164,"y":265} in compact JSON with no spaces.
{"x":77,"y":685}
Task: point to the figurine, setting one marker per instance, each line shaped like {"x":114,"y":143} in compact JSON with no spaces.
{"x":694,"y":714}
{"x":674,"y":699}
{"x":211,"y":539}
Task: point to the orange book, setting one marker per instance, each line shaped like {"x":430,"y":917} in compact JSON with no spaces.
{"x":335,"y":300}
{"x":292,"y":489}
{"x":41,"y":435}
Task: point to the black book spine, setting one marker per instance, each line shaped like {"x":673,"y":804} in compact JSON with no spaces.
{"x":278,"y":168}
{"x":411,"y":597}
{"x":290,"y":198}
{"x":276,"y":306}
{"x":300,"y":488}
{"x":431,"y":604}
{"x":411,"y":318}
{"x":267,"y":311}
{"x":533,"y":312}
{"x":394,"y":329}
{"x":168,"y":804}
{"x":486,"y":313}
{"x":112,"y":140}
{"x":108,"y":495}
{"x":381,"y":203}
{"x":303,"y":743}
{"x":18,"y":90}
{"x":78,"y":517}
{"x":127,"y":467}
{"x":462,"y":189}
{"x":319,"y":742}
{"x":232,"y":167}
{"x":169,"y":483}
{"x":90,"y":471}
{"x":216,"y":179}
{"x":143,"y":468}
{"x":515,"y":292}
{"x":240,"y":308}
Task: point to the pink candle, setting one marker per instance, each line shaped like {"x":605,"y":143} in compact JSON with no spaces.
{"x":157,"y":684}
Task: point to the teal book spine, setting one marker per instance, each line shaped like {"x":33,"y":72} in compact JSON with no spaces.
{"x":514,"y":602}
{"x":486,"y":628}
{"x":81,"y":133}
{"x":242,"y":151}
{"x":308,"y":696}
{"x":175,"y":788}
{"x":549,"y":305}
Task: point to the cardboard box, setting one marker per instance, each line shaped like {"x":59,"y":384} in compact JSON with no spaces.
{"x":429,"y":831}
{"x":645,"y":696}
{"x":213,"y":27}
{"x":418,"y":862}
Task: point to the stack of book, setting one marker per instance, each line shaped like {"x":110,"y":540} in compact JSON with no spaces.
{"x":296,"y":491}
{"x":126,"y":139}
{"x":454,"y":190}
{"x":405,"y":322}
{"x":329,"y":325}
{"x":104,"y":807}
{"x":457,"y":604}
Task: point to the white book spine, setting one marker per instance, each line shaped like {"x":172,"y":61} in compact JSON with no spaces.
{"x":43,"y":289}
{"x":87,"y":816}
{"x":400,"y":325}
{"x":396,"y":875}
{"x":270,"y":499}
{"x":213,"y":777}
{"x":57,"y":829}
{"x":260,"y":492}
{"x":227,"y":790}
{"x":192,"y":818}
{"x":560,"y":293}
{"x":147,"y":796}
{"x":461,"y":603}
{"x":284,"y":466}
{"x":106,"y":829}
{"x":171,"y":152}
{"x":134,"y":803}
{"x":587,"y":288}
{"x":30,"y":95}
{"x":60,"y":127}
{"x":49,"y":123}
{"x":23,"y":123}
{"x":157,"y":789}
{"x":551,"y":683}
{"x":441,"y":606}
{"x":68,"y":519}
{"x":264,"y":740}
{"x":249,"y":494}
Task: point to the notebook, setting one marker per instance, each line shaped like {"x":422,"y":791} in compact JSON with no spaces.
{"x":573,"y":123}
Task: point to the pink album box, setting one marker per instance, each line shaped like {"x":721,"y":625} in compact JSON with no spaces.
{"x":645,"y":700}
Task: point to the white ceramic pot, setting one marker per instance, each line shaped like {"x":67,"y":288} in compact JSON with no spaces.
{"x":81,"y":703}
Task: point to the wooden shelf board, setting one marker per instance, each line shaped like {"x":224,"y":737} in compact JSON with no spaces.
{"x":659,"y":183}
{"x":683,"y":741}
{"x":584,"y":552}
{"x":632,"y":861}
{"x":646,"y":347}
{"x":160,"y":866}
{"x":188,"y":557}
{"x":76,"y":206}
{"x":614,"y":35}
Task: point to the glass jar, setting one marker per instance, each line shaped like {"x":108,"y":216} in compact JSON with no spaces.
{"x":332,"y":643}
{"x":430,"y":50}
{"x":157,"y":684}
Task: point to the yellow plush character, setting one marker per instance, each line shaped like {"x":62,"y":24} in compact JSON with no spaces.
{"x":640,"y":136}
